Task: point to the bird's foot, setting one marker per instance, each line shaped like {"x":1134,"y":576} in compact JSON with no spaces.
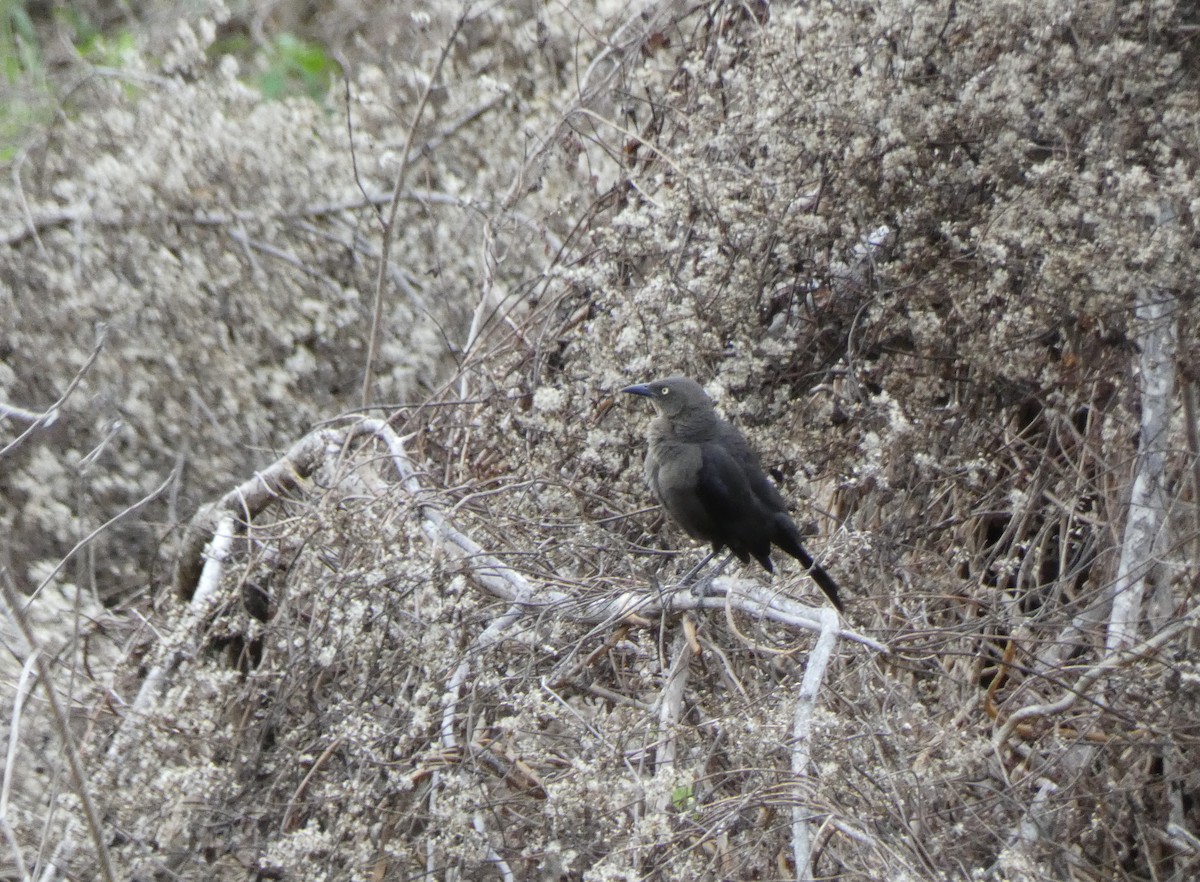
{"x":701,"y":587}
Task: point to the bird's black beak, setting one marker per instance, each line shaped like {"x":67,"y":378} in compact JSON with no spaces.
{"x":639,"y":389}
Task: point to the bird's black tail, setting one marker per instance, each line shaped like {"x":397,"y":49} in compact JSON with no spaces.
{"x":790,"y":542}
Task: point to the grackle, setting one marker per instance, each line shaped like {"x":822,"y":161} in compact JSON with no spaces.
{"x":711,"y":483}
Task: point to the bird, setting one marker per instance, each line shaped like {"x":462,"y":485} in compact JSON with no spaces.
{"x":712,"y":484}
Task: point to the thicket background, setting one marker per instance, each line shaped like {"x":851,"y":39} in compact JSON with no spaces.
{"x":936,"y":259}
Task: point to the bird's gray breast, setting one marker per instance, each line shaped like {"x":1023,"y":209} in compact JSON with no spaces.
{"x":672,"y":470}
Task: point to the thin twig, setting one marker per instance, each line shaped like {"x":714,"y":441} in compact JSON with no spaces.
{"x":86,"y":540}
{"x":390,"y":223}
{"x":16,"y":606}
{"x":50,"y":414}
{"x":285,"y":826}
{"x":493,"y":856}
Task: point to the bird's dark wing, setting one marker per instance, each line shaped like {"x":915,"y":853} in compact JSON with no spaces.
{"x":735,"y":518}
{"x":773,"y":520}
{"x":768,"y":494}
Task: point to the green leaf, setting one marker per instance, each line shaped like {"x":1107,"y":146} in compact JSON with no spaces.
{"x":683,"y":797}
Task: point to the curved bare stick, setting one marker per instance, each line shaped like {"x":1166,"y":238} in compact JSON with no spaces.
{"x":215,"y":555}
{"x":249,"y":498}
{"x":453,"y":695}
{"x":499,"y":579}
{"x":1084,"y":683}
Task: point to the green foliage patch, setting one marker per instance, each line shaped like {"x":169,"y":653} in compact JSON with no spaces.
{"x":294,"y":66}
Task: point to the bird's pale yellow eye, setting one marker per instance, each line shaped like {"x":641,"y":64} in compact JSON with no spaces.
{"x":665,"y":391}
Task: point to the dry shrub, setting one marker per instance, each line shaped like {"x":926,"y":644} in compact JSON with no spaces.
{"x":902,"y":246}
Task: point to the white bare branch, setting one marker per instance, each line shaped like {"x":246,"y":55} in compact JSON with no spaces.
{"x":802,"y":728}
{"x":1144,"y":540}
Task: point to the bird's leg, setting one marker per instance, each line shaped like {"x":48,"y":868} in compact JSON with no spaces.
{"x":700,"y":589}
{"x":691,"y":574}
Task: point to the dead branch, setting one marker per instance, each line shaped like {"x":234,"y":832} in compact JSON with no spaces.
{"x":249,"y":499}
{"x":670,"y":710}
{"x":14,"y":733}
{"x":253,"y":496}
{"x":1082,"y":686}
{"x":1145,"y":538}
{"x":802,"y":727}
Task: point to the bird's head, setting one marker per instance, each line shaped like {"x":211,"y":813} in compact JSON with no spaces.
{"x":673,"y":396}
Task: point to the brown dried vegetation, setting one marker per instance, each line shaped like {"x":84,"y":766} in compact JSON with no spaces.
{"x":936,"y":259}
